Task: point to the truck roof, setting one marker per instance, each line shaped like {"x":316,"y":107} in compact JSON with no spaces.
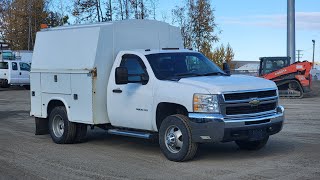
{"x":162,"y":50}
{"x":84,"y":47}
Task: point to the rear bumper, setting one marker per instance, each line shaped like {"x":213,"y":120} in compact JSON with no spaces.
{"x":216,"y":128}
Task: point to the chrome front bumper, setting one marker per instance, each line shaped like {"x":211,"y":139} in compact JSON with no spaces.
{"x":217,"y":128}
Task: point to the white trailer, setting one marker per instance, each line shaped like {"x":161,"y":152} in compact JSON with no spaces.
{"x":134,"y":78}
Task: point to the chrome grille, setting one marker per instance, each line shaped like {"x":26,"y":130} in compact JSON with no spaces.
{"x":248,"y":109}
{"x":249,"y":103}
{"x":249,"y":95}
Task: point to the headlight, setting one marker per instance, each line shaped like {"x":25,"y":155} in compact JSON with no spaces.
{"x":205,"y":103}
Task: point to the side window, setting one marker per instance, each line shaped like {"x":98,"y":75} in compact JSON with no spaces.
{"x":135,"y":67}
{"x":14,"y":66}
{"x":24,"y":66}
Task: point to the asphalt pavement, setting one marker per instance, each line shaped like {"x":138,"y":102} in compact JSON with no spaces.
{"x":294,"y":153}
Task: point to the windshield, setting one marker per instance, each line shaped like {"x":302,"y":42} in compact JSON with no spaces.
{"x":168,"y":66}
{"x":3,"y":65}
{"x":8,"y":55}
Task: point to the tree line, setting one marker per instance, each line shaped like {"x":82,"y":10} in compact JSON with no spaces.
{"x":21,"y":19}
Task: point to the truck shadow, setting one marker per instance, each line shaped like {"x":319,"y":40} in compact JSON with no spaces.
{"x":222,"y":151}
{"x":12,"y":88}
{"x":216,"y":151}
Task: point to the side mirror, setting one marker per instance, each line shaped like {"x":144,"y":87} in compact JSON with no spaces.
{"x":121,"y":75}
{"x":144,"y":79}
{"x":226,"y":68}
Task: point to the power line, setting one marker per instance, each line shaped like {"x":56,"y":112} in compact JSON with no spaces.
{"x":299,"y":55}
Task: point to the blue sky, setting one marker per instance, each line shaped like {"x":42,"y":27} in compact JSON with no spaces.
{"x":256,"y":28}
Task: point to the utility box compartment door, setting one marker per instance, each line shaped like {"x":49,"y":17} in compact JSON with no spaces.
{"x":56,"y":83}
{"x":35,"y":91}
{"x":81,"y":105}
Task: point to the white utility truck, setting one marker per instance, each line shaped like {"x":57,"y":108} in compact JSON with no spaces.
{"x":13,"y":71}
{"x":134,"y":78}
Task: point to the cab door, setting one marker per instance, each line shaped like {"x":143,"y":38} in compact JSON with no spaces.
{"x":130,"y":105}
{"x":24,"y":73}
{"x":14,"y":73}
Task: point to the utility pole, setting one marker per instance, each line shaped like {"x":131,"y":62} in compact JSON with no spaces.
{"x":299,"y":54}
{"x":314,"y":44}
{"x":29,"y":24}
{"x":291,"y":34}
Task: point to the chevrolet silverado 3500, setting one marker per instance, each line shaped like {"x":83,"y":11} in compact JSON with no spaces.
{"x":134,"y":78}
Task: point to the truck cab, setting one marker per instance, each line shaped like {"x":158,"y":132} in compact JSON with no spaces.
{"x":14,"y":72}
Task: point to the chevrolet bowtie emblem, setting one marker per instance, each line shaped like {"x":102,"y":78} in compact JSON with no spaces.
{"x":254,"y":102}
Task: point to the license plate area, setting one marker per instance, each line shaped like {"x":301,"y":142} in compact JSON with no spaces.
{"x":257,"y":134}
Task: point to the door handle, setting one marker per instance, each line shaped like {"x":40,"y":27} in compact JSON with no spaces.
{"x":117,"y":91}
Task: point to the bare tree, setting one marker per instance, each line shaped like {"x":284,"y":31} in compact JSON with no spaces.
{"x":88,"y":10}
{"x":180,"y":17}
{"x":153,"y":6}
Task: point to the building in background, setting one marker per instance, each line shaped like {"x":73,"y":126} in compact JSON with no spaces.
{"x":246,"y":67}
{"x":24,"y":55}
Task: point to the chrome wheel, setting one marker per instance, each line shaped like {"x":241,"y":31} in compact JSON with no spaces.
{"x":173,"y":139}
{"x":58,"y":126}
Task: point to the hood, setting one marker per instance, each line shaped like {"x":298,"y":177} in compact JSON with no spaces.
{"x":219,"y":84}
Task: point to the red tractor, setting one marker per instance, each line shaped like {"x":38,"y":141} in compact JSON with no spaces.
{"x":293,"y":80}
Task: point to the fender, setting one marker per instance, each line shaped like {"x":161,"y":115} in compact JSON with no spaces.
{"x":46,"y":115}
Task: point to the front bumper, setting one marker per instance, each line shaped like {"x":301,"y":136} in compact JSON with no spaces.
{"x":216,"y":128}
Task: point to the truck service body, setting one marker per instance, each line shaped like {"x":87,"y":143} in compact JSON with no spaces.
{"x":134,"y":78}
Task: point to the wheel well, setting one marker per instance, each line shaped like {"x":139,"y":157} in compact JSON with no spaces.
{"x":165,"y":109}
{"x":52,"y":104}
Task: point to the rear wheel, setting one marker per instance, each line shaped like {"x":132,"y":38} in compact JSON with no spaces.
{"x":175,"y":138}
{"x":252,"y":145}
{"x":62,"y":131}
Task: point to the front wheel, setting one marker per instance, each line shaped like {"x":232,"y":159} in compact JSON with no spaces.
{"x":5,"y":84}
{"x":62,"y":131}
{"x":175,"y":138}
{"x":252,"y":145}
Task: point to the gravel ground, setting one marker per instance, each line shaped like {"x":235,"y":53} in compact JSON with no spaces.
{"x":291,"y":154}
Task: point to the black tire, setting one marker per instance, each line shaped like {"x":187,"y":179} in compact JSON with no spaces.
{"x":188,"y":149}
{"x":81,"y":132}
{"x":67,"y":136}
{"x":252,"y":145}
{"x":5,"y":84}
{"x":27,"y":87}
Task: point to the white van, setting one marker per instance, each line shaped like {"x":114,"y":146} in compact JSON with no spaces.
{"x":133,"y":78}
{"x":14,"y":72}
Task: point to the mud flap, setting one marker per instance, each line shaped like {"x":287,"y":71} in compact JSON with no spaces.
{"x":42,"y":126}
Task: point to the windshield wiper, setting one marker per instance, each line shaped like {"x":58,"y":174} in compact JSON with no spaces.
{"x":215,"y":73}
{"x":187,"y":74}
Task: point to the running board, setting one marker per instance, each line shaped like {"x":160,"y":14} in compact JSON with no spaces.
{"x":135,"y":134}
